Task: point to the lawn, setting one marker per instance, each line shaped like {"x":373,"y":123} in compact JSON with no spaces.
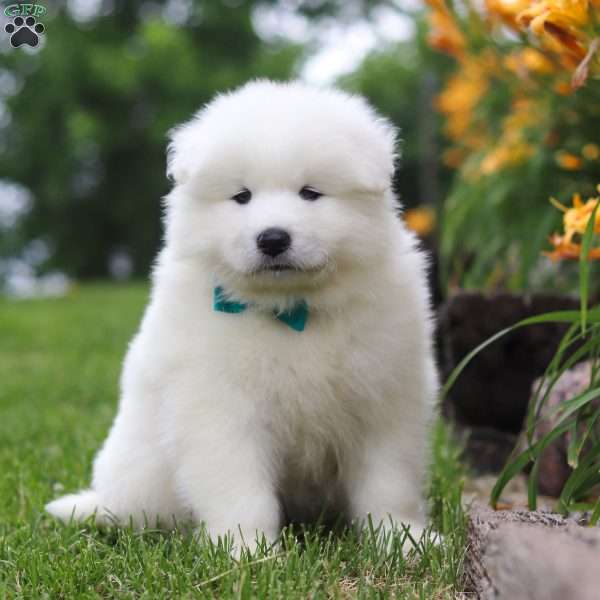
{"x":59,"y":367}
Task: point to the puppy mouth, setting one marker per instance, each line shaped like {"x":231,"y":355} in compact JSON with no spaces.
{"x":280,"y":268}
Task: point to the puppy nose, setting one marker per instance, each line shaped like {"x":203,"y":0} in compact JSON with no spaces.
{"x":273,"y":241}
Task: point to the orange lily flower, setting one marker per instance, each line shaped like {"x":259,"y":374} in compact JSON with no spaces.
{"x":444,"y":34}
{"x":558,"y":22}
{"x":575,"y":222}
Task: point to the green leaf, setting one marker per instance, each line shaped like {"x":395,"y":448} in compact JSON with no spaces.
{"x":596,"y":514}
{"x":515,"y":466}
{"x":584,"y":266}
{"x":583,"y":478}
{"x":532,"y":485}
{"x":574,"y":448}
{"x":567,"y":408}
{"x":578,"y":441}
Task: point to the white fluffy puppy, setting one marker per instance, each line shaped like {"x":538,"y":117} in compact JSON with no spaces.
{"x":284,"y":364}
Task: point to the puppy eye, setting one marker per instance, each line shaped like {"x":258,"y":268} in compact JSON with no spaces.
{"x":243,"y":196}
{"x":309,"y":193}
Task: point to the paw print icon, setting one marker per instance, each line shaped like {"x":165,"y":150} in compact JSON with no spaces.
{"x":24,"y":32}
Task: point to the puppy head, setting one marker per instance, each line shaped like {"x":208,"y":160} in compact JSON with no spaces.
{"x":281,"y":189}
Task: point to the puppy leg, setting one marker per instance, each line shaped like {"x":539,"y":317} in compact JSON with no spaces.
{"x":227,"y":479}
{"x":131,"y":481}
{"x":78,"y":506}
{"x":386,"y":482}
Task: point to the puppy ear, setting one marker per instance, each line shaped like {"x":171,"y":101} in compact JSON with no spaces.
{"x":187,"y":146}
{"x":388,"y":144}
{"x":380,"y":157}
{"x":378,"y":140}
{"x":180,"y":152}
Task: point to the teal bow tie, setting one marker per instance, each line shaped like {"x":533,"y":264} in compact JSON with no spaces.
{"x":295,"y":318}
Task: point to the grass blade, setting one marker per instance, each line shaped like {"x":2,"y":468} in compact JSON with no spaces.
{"x":561,"y":316}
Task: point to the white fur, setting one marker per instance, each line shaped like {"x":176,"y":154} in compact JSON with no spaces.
{"x":237,"y":420}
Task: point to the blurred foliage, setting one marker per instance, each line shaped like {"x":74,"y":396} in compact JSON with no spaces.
{"x":87,"y":114}
{"x":402,"y":82}
{"x":90,"y":112}
{"x":522,"y":108}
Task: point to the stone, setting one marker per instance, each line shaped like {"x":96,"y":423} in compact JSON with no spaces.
{"x":493,"y":391}
{"x":518,"y":554}
{"x":554,"y":469}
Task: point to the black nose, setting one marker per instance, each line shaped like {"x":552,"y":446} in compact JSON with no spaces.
{"x":273,"y":241}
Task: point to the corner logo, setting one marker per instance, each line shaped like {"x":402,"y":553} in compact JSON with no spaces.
{"x":25,"y":29}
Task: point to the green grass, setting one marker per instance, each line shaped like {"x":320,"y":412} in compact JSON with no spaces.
{"x":59,"y":367}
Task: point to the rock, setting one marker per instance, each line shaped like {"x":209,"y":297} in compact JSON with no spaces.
{"x":487,"y":449}
{"x":489,"y":400}
{"x":514,"y":555}
{"x":493,"y":391}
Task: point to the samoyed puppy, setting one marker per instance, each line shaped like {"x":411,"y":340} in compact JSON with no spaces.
{"x":283,"y":368}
